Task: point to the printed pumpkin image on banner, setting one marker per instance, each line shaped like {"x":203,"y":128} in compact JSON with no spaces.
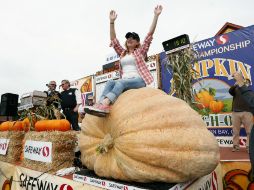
{"x":236,"y":176}
{"x":87,"y":85}
{"x":211,"y":96}
{"x":6,"y":185}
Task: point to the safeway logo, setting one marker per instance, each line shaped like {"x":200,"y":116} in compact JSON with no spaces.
{"x":222,"y":39}
{"x":125,"y":188}
{"x":45,"y":151}
{"x":38,"y":151}
{"x":103,"y":183}
{"x":65,"y":187}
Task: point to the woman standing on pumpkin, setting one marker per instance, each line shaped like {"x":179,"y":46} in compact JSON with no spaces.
{"x":133,"y":70}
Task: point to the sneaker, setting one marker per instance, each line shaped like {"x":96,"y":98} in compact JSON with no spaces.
{"x":99,"y":110}
{"x":235,"y":148}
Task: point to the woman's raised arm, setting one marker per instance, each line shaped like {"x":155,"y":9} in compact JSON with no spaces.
{"x":112,"y":18}
{"x":157,"y":12}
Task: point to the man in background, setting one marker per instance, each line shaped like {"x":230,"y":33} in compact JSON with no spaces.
{"x":248,"y":95}
{"x":241,"y":115}
{"x":53,"y":95}
{"x":70,"y":102}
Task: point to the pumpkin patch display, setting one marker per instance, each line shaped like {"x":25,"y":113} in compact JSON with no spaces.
{"x":148,"y":136}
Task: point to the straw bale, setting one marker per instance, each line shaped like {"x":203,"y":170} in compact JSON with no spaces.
{"x":63,"y":145}
{"x":15,"y":145}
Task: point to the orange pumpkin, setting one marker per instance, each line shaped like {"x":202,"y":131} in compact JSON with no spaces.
{"x":50,"y":125}
{"x":5,"y":126}
{"x":203,"y":98}
{"x":216,"y":106}
{"x":16,"y":126}
{"x":27,"y":124}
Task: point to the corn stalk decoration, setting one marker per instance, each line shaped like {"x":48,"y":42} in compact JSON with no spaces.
{"x":180,"y":63}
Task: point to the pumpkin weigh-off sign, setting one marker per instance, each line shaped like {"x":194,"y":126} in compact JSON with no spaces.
{"x":219,"y":57}
{"x":148,"y":136}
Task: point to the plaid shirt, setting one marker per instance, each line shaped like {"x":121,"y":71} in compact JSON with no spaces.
{"x":139,"y":54}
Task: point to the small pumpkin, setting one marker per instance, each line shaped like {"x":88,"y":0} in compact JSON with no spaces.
{"x":203,"y":98}
{"x":12,"y":126}
{"x":16,"y":126}
{"x":5,"y":126}
{"x":216,"y":106}
{"x":148,"y":136}
{"x":50,"y":125}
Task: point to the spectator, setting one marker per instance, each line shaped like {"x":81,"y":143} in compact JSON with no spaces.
{"x":248,"y":95}
{"x":53,"y":95}
{"x":71,"y":100}
{"x":241,"y":115}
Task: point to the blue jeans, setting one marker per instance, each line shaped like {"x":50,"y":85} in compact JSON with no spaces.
{"x":114,"y":88}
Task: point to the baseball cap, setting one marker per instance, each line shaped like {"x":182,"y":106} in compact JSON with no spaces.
{"x":133,"y":35}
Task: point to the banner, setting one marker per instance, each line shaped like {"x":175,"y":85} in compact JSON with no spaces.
{"x":6,"y":173}
{"x":85,"y":86}
{"x":218,"y":58}
{"x":32,"y":180}
{"x":236,"y":175}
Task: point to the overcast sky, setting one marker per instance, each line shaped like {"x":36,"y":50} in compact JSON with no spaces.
{"x":43,"y":40}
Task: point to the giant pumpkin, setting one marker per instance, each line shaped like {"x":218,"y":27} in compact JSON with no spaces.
{"x":148,"y":136}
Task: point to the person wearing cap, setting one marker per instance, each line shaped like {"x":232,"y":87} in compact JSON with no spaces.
{"x":133,"y":70}
{"x":71,"y":100}
{"x":54,"y":96}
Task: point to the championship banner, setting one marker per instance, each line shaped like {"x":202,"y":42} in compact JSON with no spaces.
{"x":236,"y":175}
{"x":6,"y":173}
{"x":85,"y":86}
{"x":218,"y":58}
{"x":27,"y":179}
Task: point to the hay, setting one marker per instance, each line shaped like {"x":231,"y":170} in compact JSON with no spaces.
{"x":15,"y":145}
{"x":63,"y":145}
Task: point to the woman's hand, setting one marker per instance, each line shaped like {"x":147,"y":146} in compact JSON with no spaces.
{"x":112,"y":16}
{"x":157,"y":10}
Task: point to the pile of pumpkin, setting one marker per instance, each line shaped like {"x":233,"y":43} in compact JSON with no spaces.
{"x":42,"y":125}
